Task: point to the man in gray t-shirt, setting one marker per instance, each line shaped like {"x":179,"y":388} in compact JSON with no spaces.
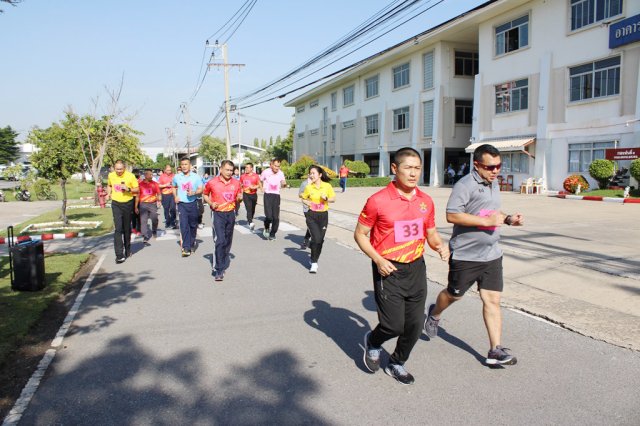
{"x":474,"y":210}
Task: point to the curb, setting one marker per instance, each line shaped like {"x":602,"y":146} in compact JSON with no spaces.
{"x":42,"y":237}
{"x":597,"y":198}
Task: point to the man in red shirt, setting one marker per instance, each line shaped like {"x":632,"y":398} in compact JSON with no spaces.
{"x":222,"y":193}
{"x":168,"y":201}
{"x":147,"y":204}
{"x":392,"y":230}
{"x":344,"y":174}
{"x":250,"y":184}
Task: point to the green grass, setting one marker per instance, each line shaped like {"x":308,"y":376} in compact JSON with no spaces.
{"x":19,"y":311}
{"x":103,"y":215}
{"x":75,"y":190}
{"x":613,"y":193}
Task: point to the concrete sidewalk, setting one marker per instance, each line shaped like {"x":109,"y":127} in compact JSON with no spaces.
{"x":576,"y":264}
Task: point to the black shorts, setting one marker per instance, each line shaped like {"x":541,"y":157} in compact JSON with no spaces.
{"x":463,"y":274}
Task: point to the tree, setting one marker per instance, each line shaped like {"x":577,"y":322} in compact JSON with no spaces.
{"x":634,"y":169}
{"x":263,"y":144}
{"x":283,"y":148}
{"x":162,"y":161}
{"x":256,"y":142}
{"x":360,"y":168}
{"x":9,"y":149}
{"x":11,"y":2}
{"x":212,"y":149}
{"x":58,"y":156}
{"x":124,"y":145}
{"x":602,"y":171}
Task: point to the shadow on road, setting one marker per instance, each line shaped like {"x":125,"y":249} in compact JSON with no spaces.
{"x":369,"y":302}
{"x":141,"y":388}
{"x":453,"y":340}
{"x":344,"y":327}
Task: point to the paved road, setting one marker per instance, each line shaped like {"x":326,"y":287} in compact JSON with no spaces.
{"x":156,"y":341}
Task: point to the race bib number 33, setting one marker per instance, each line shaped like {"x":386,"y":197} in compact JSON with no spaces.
{"x":408,"y":230}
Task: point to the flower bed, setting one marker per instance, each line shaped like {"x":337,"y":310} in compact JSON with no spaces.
{"x":74,"y":225}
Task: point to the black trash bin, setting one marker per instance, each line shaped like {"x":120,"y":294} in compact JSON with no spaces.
{"x":27,"y":265}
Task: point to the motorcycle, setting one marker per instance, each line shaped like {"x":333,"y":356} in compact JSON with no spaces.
{"x":22,"y":195}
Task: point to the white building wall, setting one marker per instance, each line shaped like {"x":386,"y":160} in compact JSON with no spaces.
{"x":552,"y":49}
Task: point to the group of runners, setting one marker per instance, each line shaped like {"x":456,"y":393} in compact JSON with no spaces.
{"x":392,"y":230}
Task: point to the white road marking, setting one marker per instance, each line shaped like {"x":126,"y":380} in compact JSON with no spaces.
{"x":518,"y":311}
{"x":31,"y":387}
{"x":284,"y":226}
{"x":243,"y":229}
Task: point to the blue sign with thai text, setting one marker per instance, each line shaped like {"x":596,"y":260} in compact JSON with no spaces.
{"x":624,"y":32}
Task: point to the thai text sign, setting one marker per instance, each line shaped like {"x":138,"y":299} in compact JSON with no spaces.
{"x":624,"y":32}
{"x":622,"y":153}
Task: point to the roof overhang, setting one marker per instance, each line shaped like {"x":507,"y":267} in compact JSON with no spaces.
{"x":505,"y":145}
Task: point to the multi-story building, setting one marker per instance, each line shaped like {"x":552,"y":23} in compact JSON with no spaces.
{"x":552,"y":84}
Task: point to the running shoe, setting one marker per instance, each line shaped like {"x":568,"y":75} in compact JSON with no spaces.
{"x":371,"y":355}
{"x":304,"y":245}
{"x":265,"y":233}
{"x":314,"y":268}
{"x":272,"y":238}
{"x":251,"y":226}
{"x":398,"y":372}
{"x":154,"y":235}
{"x":218,"y":276}
{"x":500,"y":356}
{"x":431,"y":324}
{"x":120,"y":259}
{"x":186,"y":253}
{"x":201,"y":226}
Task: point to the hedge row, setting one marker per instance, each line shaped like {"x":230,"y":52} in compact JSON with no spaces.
{"x":351,"y":182}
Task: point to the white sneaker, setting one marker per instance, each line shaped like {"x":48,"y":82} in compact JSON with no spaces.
{"x":314,"y":268}
{"x":251,"y":226}
{"x":201,"y":226}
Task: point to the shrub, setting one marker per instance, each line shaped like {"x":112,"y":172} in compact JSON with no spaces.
{"x":359,"y":168}
{"x":571,"y":183}
{"x":353,"y":182}
{"x":40,"y":185}
{"x":300,"y":167}
{"x":634,"y":169}
{"x":329,"y":172}
{"x":602,"y":171}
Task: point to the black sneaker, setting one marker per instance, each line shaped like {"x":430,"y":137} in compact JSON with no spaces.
{"x":371,"y":355}
{"x":304,"y":245}
{"x":500,"y":356}
{"x":398,"y":372}
{"x":431,"y":324}
{"x":218,"y":276}
{"x":120,"y":259}
{"x":186,"y":253}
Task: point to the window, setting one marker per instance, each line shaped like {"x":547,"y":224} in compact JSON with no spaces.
{"x":347,"y":124}
{"x":301,"y":135}
{"x":401,"y":118}
{"x":347,"y":96}
{"x":466,"y":63}
{"x":512,"y":96}
{"x":427,"y":119}
{"x":371,"y":87}
{"x":314,"y":103}
{"x":586,"y":12}
{"x":595,"y":80}
{"x":313,"y":131}
{"x":427,"y":63}
{"x":582,"y":154}
{"x":401,"y":76}
{"x":464,"y":111}
{"x":333,"y":133}
{"x":300,"y":108}
{"x":325,"y":120}
{"x":512,"y":36}
{"x":372,"y":124}
{"x":514,"y":162}
{"x":334,"y":101}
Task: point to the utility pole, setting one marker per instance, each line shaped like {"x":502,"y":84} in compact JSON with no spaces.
{"x":170,"y":147}
{"x":187,"y":121}
{"x":225,"y":68}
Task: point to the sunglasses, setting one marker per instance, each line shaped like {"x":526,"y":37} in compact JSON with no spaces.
{"x":490,"y":168}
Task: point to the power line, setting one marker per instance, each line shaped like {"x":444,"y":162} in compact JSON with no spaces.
{"x":378,"y":19}
{"x":282,"y":95}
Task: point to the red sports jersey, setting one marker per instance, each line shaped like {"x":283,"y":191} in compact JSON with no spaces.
{"x":223,"y":193}
{"x":248,"y":180}
{"x":165,"y":179}
{"x":398,"y":225}
{"x":149,"y":191}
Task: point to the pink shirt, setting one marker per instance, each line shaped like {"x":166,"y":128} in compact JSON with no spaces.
{"x":271,"y":181}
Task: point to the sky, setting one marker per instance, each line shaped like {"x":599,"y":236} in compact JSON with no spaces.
{"x":60,"y":54}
